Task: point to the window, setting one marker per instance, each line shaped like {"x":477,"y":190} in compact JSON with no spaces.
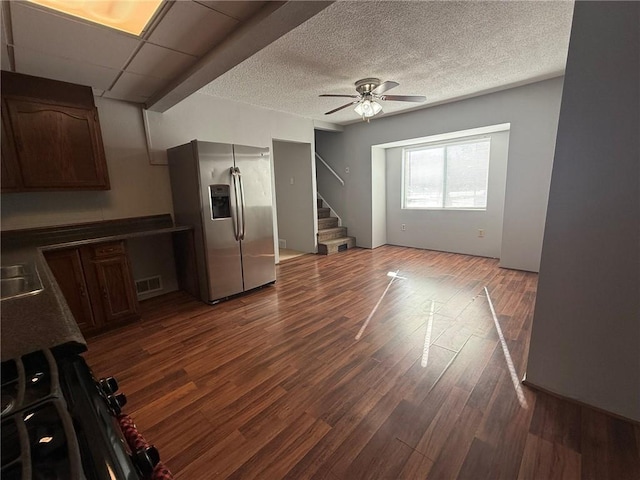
{"x":447,"y":176}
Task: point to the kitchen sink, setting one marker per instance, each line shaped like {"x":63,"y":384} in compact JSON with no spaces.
{"x":19,"y":280}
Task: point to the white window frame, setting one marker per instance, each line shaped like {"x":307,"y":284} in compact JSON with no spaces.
{"x":425,"y":146}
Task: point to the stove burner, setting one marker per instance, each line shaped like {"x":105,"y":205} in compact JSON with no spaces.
{"x":58,"y":422}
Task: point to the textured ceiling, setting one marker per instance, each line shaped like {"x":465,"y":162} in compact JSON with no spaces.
{"x":442,"y":49}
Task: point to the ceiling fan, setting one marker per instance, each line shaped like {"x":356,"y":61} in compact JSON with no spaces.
{"x":370,"y":92}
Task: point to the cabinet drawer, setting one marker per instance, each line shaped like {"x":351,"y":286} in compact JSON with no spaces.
{"x":108,"y":249}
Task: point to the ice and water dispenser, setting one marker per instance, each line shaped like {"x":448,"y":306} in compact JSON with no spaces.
{"x":220,"y":201}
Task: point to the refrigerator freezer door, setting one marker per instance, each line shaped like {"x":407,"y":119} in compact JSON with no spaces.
{"x":258,"y":258}
{"x":222,"y":250}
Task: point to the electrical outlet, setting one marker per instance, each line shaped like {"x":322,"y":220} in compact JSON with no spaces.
{"x":346,"y":170}
{"x":403,"y":227}
{"x":291,"y":181}
{"x":480,"y":233}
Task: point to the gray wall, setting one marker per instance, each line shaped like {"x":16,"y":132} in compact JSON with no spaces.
{"x":532,"y":111}
{"x":585,"y":342}
{"x":151,"y":256}
{"x":450,"y":231}
{"x":332,"y":144}
{"x":295,"y":196}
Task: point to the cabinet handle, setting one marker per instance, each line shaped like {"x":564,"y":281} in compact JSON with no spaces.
{"x":104,"y":292}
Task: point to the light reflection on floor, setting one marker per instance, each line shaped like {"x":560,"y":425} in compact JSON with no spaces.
{"x":393,"y":276}
{"x":428,"y":340}
{"x":507,"y":355}
{"x":427,"y":337}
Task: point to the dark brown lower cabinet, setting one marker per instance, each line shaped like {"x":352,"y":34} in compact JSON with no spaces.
{"x":97,"y":283}
{"x":66,"y":266}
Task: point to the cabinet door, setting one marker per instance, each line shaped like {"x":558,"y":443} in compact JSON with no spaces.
{"x":10,"y":175}
{"x":58,"y":147}
{"x":115,"y":284}
{"x":66,"y":266}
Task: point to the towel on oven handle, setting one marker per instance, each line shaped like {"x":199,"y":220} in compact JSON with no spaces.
{"x":138,"y":444}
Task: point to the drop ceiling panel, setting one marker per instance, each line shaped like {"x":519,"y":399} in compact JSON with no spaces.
{"x":55,"y":34}
{"x":192,"y":28}
{"x":134,"y":88}
{"x":160,"y":62}
{"x":32,"y":62}
{"x":238,"y":10}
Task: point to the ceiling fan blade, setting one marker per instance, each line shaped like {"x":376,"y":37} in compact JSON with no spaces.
{"x":340,"y":108}
{"x":404,"y":98}
{"x":383,"y":87}
{"x":336,"y":95}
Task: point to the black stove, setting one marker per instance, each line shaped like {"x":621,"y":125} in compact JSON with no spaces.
{"x":59,"y":422}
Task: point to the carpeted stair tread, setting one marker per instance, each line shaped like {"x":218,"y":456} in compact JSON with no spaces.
{"x":331,"y":233}
{"x":329,"y":247}
{"x":324,"y":212}
{"x":330,"y":222}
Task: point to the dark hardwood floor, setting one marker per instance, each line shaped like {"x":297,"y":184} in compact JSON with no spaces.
{"x":274,"y":384}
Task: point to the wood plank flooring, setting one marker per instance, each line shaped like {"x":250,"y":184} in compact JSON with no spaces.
{"x":275,"y":385}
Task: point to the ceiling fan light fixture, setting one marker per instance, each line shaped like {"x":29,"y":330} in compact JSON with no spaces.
{"x":370,"y":93}
{"x":368,"y":108}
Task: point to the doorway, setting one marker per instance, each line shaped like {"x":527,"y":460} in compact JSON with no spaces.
{"x":295,"y":198}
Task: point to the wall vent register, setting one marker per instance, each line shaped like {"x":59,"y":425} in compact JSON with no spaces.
{"x":148,"y":285}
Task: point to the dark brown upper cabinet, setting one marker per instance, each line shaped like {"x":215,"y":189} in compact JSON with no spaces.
{"x":51,"y":138}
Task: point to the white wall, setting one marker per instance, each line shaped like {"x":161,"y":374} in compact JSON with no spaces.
{"x":211,"y":119}
{"x":137,"y":188}
{"x":295,"y":196}
{"x":450,"y":230}
{"x":532,"y":111}
{"x":379,"y":197}
{"x":585,"y":341}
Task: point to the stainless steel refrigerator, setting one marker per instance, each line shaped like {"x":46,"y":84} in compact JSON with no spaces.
{"x":224,"y":191}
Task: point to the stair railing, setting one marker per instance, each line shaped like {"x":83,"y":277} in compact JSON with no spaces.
{"x":330,"y":169}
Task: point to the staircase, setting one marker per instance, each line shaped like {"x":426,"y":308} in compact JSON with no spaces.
{"x":331,"y":238}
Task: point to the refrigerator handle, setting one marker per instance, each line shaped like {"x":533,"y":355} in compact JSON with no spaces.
{"x":236,"y":225}
{"x":242,"y":232}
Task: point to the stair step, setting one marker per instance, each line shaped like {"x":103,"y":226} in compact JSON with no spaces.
{"x":329,"y":247}
{"x":324,"y":212}
{"x":331,"y":233}
{"x":330,"y":222}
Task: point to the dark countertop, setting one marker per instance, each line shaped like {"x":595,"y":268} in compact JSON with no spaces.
{"x":37,"y":321}
{"x":43,"y":319}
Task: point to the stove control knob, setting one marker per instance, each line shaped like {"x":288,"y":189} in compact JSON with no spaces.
{"x":146,"y":459}
{"x":116,"y":402}
{"x":109,"y":385}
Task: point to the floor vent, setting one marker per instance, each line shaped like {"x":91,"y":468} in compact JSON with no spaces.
{"x":148,"y":285}
{"x":343,"y":247}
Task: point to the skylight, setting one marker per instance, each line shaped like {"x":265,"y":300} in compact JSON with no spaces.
{"x":129,"y":16}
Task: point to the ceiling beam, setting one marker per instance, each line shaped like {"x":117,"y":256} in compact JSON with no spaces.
{"x":272,"y":21}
